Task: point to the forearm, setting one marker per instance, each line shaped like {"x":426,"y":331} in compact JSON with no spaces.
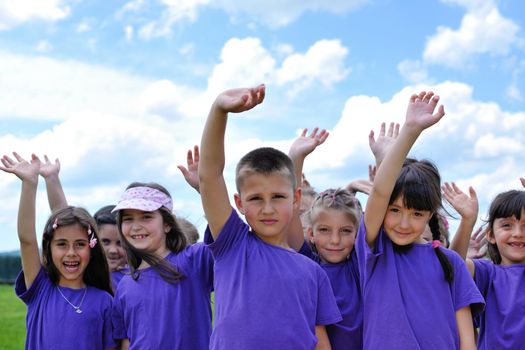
{"x":212,"y":157}
{"x":27,"y":233}
{"x":55,"y":193}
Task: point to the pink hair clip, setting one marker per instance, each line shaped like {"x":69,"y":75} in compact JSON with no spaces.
{"x":55,"y":224}
{"x":436,"y":243}
{"x":92,"y":239}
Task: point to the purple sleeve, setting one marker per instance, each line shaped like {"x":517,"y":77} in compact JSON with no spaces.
{"x":117,"y":319}
{"x":465,"y":290}
{"x":327,"y":309}
{"x":27,"y":295}
{"x":367,"y":257}
{"x":108,"y":337}
{"x":483,"y":274}
{"x":233,"y":232}
{"x":203,"y":263}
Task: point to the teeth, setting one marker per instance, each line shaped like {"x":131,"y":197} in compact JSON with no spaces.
{"x":138,"y":236}
{"x":516,"y":244}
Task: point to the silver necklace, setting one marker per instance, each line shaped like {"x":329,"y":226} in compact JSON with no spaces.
{"x":77,"y":308}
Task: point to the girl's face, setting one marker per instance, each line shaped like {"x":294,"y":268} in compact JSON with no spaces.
{"x":115,"y":254}
{"x":70,"y":253}
{"x":405,"y":226}
{"x":145,"y":230}
{"x":509,"y":235}
{"x":333,"y":234}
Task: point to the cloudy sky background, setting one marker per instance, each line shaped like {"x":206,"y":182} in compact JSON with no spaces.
{"x":119,"y":91}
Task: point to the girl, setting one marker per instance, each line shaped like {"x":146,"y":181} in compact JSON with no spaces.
{"x":415,"y":295}
{"x":334,"y":218}
{"x":165,"y":301}
{"x":68,"y":293}
{"x":501,"y":279}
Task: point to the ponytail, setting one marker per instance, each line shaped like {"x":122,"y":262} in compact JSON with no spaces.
{"x":436,"y":235}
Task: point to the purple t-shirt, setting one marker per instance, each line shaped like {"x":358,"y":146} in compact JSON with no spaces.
{"x":116,"y":276}
{"x":266,"y":297}
{"x":344,"y":278}
{"x":407,"y":302}
{"x":502,"y":324}
{"x":53,"y":324}
{"x":154,"y":314}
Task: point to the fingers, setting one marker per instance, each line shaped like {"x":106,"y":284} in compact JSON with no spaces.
{"x":522,"y":180}
{"x":183,"y":170}
{"x":472,"y":193}
{"x":390,"y":130}
{"x":371,"y":139}
{"x":382,"y":130}
{"x":189,"y":158}
{"x":196,"y":154}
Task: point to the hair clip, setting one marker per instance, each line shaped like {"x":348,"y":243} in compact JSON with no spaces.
{"x":436,"y":244}
{"x":55,"y":224}
{"x":92,"y":239}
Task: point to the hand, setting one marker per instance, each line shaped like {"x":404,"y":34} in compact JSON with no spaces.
{"x":240,"y":100}
{"x":384,"y":141}
{"x":304,"y":145}
{"x":478,"y":244}
{"x":48,"y":169}
{"x":372,"y":170}
{"x":191,"y":174}
{"x":26,"y":171}
{"x":420,"y":111}
{"x":304,"y":182}
{"x":522,"y":179}
{"x":466,"y":205}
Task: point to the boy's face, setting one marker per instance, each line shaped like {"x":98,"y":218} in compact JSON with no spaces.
{"x":268,"y":202}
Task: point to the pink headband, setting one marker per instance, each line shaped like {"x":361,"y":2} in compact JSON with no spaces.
{"x":144,"y":198}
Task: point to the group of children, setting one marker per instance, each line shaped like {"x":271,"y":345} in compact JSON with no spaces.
{"x":318,"y":274}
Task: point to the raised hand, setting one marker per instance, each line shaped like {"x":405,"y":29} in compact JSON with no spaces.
{"x":23,"y":169}
{"x":304,"y":145}
{"x":240,"y":99}
{"x":381,"y":146}
{"x":48,"y":168}
{"x":478,"y":244}
{"x":522,"y":179}
{"x":191,"y":173}
{"x":466,"y":205}
{"x":372,"y":170}
{"x":420,"y":112}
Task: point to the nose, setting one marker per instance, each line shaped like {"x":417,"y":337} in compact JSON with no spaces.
{"x":518,"y":231}
{"x":71,"y":250}
{"x":404,"y":221}
{"x":335,"y":238}
{"x":268,"y":207}
{"x":112,"y":248}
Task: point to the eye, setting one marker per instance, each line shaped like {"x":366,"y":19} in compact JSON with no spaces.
{"x":126,"y":219}
{"x":279,"y":196}
{"x":347,"y":231}
{"x":418,"y":214}
{"x":254,"y":198}
{"x":323,"y":229}
{"x":60,"y":244}
{"x":394,"y":210}
{"x":106,"y":242}
{"x":80,"y":244}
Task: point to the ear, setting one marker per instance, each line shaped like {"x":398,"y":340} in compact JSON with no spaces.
{"x":238,"y":203}
{"x":490,"y":236}
{"x":297,"y":199}
{"x":310,"y":234}
{"x":167,"y":228}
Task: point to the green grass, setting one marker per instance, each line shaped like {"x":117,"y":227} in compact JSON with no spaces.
{"x":12,"y":319}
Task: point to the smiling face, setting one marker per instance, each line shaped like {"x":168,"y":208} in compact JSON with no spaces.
{"x":115,"y":254}
{"x":70,"y":254}
{"x":509,"y":236}
{"x":405,"y":226}
{"x":333,"y":233}
{"x":267,"y":201}
{"x":145,"y":230}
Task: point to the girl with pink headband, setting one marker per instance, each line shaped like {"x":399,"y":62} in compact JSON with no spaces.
{"x":68,"y":294}
{"x":165,"y":301}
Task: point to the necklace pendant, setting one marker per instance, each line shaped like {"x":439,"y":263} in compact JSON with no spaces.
{"x":78,"y":311}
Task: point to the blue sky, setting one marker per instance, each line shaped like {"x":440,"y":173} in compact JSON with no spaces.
{"x":118,"y":91}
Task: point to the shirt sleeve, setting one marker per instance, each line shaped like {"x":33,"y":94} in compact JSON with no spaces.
{"x":203,"y":263}
{"x":327,"y":309}
{"x":233,"y":232}
{"x":366,"y":256}
{"x":117,"y":319}
{"x":465,"y":291}
{"x":483,"y":274}
{"x":109,"y":340}
{"x":28,"y":295}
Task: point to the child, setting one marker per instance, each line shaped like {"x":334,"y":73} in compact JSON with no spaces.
{"x":68,"y":294}
{"x":415,"y":295}
{"x":164,"y":303}
{"x":333,"y":218}
{"x":266,"y":295}
{"x":109,"y":237}
{"x":501,"y":281}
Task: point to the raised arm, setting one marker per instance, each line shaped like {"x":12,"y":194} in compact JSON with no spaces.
{"x":522,"y":180}
{"x":214,"y":195}
{"x":55,"y":194}
{"x":300,"y":148}
{"x":28,"y":173}
{"x":420,"y":115}
{"x":467,"y":207}
{"x":191,"y":173}
{"x":384,"y":141}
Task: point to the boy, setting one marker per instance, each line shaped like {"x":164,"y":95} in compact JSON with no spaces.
{"x":266,"y":295}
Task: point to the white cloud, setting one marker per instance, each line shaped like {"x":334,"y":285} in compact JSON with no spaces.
{"x":84,"y":26}
{"x":413,"y":71}
{"x":129,"y":33}
{"x":44,"y":88}
{"x":489,"y":145}
{"x":482,"y":31}
{"x":323,"y":62}
{"x":13,"y":13}
{"x":44,"y":46}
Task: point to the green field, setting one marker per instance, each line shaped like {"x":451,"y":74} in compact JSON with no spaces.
{"x":12,"y":319}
